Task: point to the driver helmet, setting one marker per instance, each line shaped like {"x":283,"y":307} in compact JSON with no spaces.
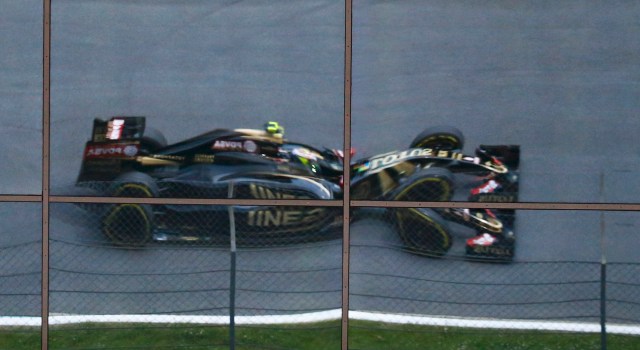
{"x":274,"y":129}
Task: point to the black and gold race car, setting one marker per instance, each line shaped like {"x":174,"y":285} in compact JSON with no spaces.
{"x":125,"y":158}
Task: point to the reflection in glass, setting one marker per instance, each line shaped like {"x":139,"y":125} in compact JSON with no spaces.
{"x":171,"y":270}
{"x":435,"y":169}
{"x":293,"y":293}
{"x":189,"y":68}
{"x":21,"y":96}
{"x":20,"y":274}
{"x":553,"y":281}
{"x":557,"y":79}
{"x":124,"y":158}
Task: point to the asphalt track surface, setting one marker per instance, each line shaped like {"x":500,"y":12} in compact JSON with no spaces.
{"x":21,"y":96}
{"x":559,"y":79}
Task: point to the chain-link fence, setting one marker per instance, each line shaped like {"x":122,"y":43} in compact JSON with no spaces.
{"x":288,"y":293}
{"x":20,"y":273}
{"x":623,"y":293}
{"x":463,"y":303}
{"x":183,"y":289}
{"x":186,"y":280}
{"x":461,"y":298}
{"x":102,"y":288}
{"x":187,"y":276}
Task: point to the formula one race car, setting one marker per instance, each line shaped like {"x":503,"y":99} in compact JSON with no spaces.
{"x":125,"y":158}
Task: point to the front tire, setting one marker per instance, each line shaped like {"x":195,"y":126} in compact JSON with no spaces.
{"x":423,"y":231}
{"x":445,"y":138}
{"x":425,"y":185}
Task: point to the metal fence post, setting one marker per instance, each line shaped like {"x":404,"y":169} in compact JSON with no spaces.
{"x":232,"y":282}
{"x":603,"y":304}
{"x":603,"y":274}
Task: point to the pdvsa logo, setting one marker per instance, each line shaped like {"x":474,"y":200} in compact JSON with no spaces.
{"x":108,"y":151}
{"x":227,"y":145}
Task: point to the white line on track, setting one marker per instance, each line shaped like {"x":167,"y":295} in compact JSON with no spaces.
{"x":330,"y":315}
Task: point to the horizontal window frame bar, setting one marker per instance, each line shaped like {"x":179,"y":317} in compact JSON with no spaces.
{"x":326,"y":203}
{"x":197,"y":201}
{"x":493,"y":205}
{"x":20,"y":198}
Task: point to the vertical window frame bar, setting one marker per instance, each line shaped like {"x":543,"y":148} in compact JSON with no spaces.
{"x":46,"y":125}
{"x":45,"y":199}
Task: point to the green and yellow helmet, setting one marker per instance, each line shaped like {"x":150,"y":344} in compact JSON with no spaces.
{"x":274,"y":129}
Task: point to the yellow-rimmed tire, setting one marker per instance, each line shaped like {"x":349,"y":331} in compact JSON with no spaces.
{"x":425,"y":185}
{"x":134,"y":184}
{"x":423,"y":231}
{"x":129,"y":224}
{"x":445,"y":138}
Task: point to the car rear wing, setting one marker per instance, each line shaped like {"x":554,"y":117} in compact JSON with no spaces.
{"x":113,"y":148}
{"x":118,"y":129}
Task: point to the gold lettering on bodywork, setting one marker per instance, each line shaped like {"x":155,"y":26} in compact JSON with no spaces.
{"x":498,"y":168}
{"x":427,"y":152}
{"x":203,"y":158}
{"x":492,"y":250}
{"x":277,"y":217}
{"x":261,"y":192}
{"x":167,"y":157}
{"x":251,"y":218}
{"x":272,"y":218}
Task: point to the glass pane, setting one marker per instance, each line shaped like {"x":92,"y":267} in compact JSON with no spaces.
{"x":20,"y":275}
{"x":557,"y":79}
{"x":289,"y":287}
{"x":189,"y":68}
{"x":111,"y":285}
{"x":623,"y":283}
{"x":163,"y":275}
{"x":422,"y":275}
{"x":21,"y":96}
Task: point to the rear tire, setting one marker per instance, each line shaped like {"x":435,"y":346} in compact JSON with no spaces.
{"x":130,"y":224}
{"x":134,"y":184}
{"x":153,"y":140}
{"x":446,"y":138}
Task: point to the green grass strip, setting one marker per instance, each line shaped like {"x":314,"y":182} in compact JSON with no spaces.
{"x":363,"y":335}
